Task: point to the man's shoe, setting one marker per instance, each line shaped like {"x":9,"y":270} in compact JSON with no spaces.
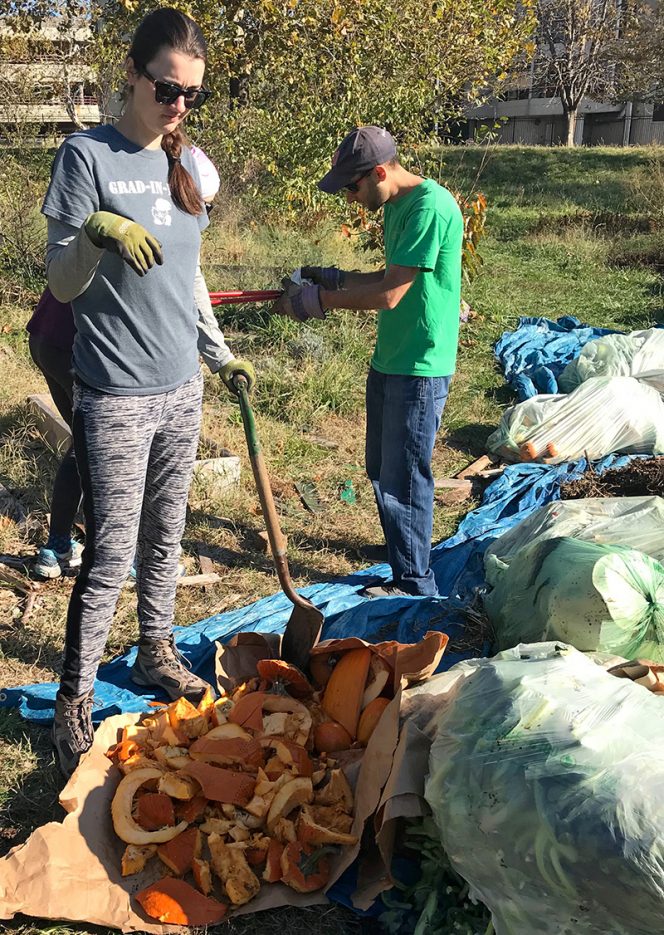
{"x":159,"y":664}
{"x":374,"y":553}
{"x":51,"y":564}
{"x":72,"y":732}
{"x":384,"y":590}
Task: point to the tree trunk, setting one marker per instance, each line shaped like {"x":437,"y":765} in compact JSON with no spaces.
{"x":571,"y":117}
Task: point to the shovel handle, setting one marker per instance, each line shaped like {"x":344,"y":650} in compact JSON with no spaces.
{"x":261,"y":477}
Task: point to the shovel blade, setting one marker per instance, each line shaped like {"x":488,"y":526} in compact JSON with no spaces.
{"x":301,"y":635}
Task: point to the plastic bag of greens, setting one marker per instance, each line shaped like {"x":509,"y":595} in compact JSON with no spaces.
{"x":545,"y":782}
{"x":603,"y":415}
{"x":594,"y":597}
{"x":639,"y":355}
{"x":637,"y":522}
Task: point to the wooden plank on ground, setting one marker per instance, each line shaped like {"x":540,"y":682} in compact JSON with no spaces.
{"x":51,"y":425}
{"x":206,"y":563}
{"x":452,"y":483}
{"x":480,"y":464}
{"x":188,"y":581}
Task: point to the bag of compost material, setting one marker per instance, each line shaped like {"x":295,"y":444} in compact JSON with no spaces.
{"x":634,"y":521}
{"x":639,"y":355}
{"x":595,"y":597}
{"x":603,"y":415}
{"x":545,"y":779}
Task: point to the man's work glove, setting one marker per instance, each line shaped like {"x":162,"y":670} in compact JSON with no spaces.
{"x":238,"y":367}
{"x":130,"y":240}
{"x":299,"y":302}
{"x":329,"y":277}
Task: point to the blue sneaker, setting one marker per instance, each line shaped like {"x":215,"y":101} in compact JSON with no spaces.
{"x":51,"y":564}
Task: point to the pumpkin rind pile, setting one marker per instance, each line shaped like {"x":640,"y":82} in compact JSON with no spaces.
{"x":242,"y":791}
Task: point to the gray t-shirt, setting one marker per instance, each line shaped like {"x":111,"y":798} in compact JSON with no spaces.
{"x":135,"y":335}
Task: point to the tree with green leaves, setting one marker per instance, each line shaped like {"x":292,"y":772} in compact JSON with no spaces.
{"x":291,"y":77}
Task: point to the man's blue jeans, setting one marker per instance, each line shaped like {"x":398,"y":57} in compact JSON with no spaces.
{"x":403,"y":416}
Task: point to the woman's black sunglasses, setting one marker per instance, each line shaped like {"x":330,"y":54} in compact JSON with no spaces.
{"x":167,"y":93}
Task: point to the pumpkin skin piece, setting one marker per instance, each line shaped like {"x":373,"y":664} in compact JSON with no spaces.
{"x":202,"y":875}
{"x":289,"y":753}
{"x":293,"y":856}
{"x":176,"y":902}
{"x":121,"y":807}
{"x":223,"y":785}
{"x":272,"y":872}
{"x":293,"y":793}
{"x":231,"y":752}
{"x":294,"y":681}
{"x":179,"y":853}
{"x":192,"y":810}
{"x":311,"y":833}
{"x":154,"y":811}
{"x":248,"y":711}
{"x":379,"y":676}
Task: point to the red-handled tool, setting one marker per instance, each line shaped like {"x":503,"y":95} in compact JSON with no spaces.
{"x":239,"y":296}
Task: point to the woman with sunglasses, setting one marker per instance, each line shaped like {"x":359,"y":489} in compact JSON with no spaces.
{"x":125,"y":216}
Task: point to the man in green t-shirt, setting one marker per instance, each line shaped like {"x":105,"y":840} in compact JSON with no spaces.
{"x":418,"y":295}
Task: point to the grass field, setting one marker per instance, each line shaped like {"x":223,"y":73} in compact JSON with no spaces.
{"x":570,"y":232}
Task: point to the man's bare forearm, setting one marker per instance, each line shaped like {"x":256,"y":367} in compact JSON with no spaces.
{"x":359,"y":279}
{"x":368,"y":297}
{"x":384,"y":289}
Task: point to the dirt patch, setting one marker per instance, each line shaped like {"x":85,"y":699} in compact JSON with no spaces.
{"x":645,"y":252}
{"x":607,"y":223}
{"x":640,"y":478}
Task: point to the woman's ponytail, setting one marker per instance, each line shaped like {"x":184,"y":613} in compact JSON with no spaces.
{"x":184,"y":191}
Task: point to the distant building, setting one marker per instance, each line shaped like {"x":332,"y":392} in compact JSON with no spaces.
{"x":525,"y":116}
{"x":530,"y":112}
{"x":45,"y":82}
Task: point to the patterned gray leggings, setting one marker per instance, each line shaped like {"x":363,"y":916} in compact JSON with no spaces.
{"x":135,"y":457}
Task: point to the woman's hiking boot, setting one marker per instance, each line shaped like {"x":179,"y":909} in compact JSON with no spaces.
{"x":72,"y":732}
{"x":160,"y":665}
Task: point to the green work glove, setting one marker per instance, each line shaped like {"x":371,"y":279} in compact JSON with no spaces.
{"x":235,"y":368}
{"x":130,"y":240}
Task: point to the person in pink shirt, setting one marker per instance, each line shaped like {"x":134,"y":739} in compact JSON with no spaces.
{"x":52,"y":331}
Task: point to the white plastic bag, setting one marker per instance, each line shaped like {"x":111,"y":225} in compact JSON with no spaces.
{"x":637,"y":522}
{"x":639,"y":355}
{"x":545,"y":782}
{"x":603,"y":415}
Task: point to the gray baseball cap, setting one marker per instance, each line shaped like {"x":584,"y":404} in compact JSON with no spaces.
{"x":362,"y":150}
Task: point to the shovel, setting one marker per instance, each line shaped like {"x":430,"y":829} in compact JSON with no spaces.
{"x":306,"y":621}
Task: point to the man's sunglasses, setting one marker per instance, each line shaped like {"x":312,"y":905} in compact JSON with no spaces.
{"x":167,"y":93}
{"x":355,"y":186}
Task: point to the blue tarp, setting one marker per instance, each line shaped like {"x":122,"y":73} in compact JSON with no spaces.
{"x":535,"y":354}
{"x":457,"y":563}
